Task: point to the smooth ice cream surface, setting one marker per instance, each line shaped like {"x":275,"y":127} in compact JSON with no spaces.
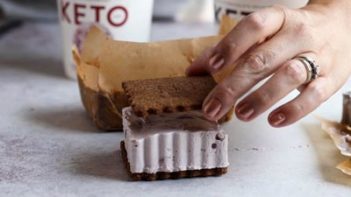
{"x":174,"y":142}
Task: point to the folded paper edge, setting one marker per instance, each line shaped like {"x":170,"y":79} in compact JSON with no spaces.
{"x":334,"y":130}
{"x":345,"y":167}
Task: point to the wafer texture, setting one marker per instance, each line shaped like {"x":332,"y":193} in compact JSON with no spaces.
{"x":168,"y":175}
{"x":167,"y":95}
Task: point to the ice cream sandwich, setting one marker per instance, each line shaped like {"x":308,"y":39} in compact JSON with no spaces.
{"x":166,"y":134}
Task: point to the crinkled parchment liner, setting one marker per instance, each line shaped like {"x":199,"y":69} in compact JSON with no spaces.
{"x":227,"y":24}
{"x":341,"y":136}
{"x":103,"y":64}
{"x":345,"y":167}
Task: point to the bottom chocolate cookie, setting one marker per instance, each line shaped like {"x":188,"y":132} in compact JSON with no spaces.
{"x":169,"y":175}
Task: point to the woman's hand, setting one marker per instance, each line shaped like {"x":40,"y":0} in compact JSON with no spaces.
{"x":266,"y":43}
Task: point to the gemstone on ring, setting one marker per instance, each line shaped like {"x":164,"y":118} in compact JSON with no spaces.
{"x":312,"y":68}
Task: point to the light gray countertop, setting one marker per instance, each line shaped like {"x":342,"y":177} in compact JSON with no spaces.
{"x":49,"y":147}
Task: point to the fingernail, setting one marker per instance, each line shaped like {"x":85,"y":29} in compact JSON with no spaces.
{"x":277,"y":119}
{"x":216,"y":61}
{"x":212,"y":108}
{"x":245,"y":111}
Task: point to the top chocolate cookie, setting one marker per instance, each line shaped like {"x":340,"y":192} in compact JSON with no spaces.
{"x":167,"y":95}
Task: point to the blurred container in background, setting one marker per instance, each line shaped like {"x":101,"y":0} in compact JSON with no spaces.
{"x":237,"y":9}
{"x":120,"y":19}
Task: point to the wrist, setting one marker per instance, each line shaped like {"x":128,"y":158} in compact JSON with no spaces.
{"x":337,"y":5}
{"x":335,"y":9}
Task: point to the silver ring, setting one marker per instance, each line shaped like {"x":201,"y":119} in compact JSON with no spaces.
{"x":311,"y":67}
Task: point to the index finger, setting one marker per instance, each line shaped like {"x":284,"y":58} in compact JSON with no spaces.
{"x":253,"y":29}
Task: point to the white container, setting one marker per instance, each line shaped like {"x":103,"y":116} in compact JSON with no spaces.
{"x":237,"y":9}
{"x":121,"y":19}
